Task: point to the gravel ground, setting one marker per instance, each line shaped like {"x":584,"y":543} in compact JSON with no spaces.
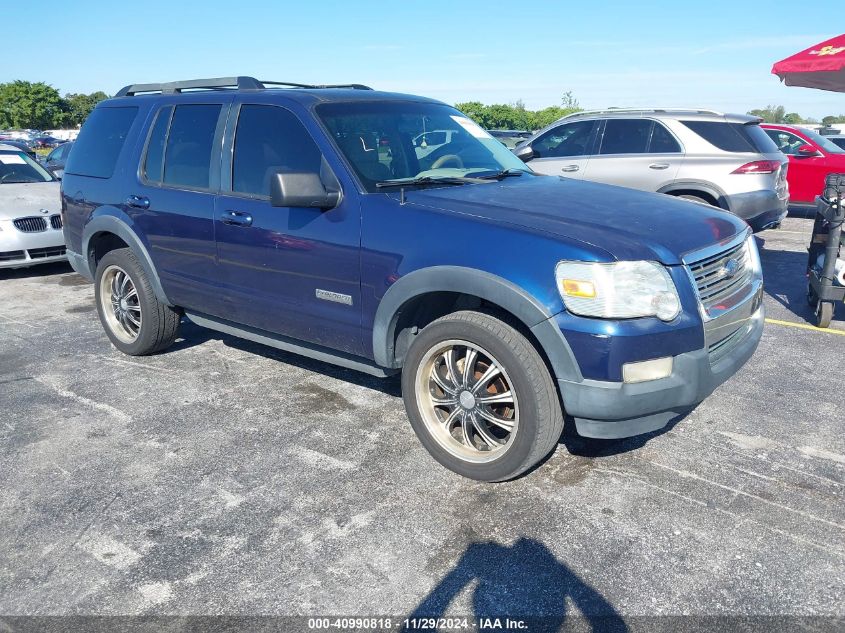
{"x":222,"y":477}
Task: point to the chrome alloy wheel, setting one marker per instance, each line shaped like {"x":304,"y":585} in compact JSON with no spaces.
{"x":120,"y":304}
{"x":467,"y":400}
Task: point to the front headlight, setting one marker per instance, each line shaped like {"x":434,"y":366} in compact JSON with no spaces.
{"x":621,"y":290}
{"x":753,"y":255}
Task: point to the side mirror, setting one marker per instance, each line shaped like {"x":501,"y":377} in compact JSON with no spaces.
{"x":807,"y":150}
{"x":525,"y":153}
{"x":301,"y":189}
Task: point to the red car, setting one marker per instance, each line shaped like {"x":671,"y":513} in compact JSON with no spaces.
{"x":811,"y":158}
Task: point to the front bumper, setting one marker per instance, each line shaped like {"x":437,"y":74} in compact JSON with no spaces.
{"x":19,"y":249}
{"x":617,"y":409}
{"x":761,"y":209}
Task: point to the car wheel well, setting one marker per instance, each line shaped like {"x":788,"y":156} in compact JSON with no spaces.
{"x":419,"y":311}
{"x":698,"y":194}
{"x":100,"y":244}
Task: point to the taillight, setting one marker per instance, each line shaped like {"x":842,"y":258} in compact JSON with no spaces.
{"x":758,"y":167}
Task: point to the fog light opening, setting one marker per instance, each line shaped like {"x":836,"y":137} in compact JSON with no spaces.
{"x":647,"y":370}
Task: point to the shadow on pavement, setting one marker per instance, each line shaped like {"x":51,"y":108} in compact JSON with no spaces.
{"x":785,"y":279}
{"x":520,"y":582}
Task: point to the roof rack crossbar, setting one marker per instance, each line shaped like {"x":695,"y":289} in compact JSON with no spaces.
{"x":614,"y":110}
{"x":222,"y":83}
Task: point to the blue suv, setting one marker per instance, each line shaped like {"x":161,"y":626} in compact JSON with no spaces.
{"x":316,"y":219}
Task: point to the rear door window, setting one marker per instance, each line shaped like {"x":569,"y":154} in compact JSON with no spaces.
{"x":626,"y":136}
{"x":187,"y":156}
{"x":100,"y":140}
{"x":733,"y":137}
{"x":571,"y":139}
{"x":662,"y":141}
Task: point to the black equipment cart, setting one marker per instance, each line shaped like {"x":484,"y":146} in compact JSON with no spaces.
{"x":823,"y":288}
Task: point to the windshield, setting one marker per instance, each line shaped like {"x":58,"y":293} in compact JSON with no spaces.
{"x":17,"y":167}
{"x":826,"y":144}
{"x":386,"y":141}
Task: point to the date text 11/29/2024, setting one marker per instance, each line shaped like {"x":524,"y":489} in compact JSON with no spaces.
{"x":417,"y":624}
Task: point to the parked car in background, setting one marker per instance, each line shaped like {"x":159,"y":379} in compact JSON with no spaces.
{"x":510,"y":138}
{"x":57,"y":158}
{"x":30,"y":204}
{"x":46,"y":141}
{"x":724,"y":160}
{"x":811,"y":158}
{"x":838,"y":139}
{"x":503,"y":297}
{"x":24,"y":146}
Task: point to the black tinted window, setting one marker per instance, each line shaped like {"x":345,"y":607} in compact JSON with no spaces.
{"x":625,"y":136}
{"x":270,"y":139}
{"x":154,"y":160}
{"x":662,"y":142}
{"x":733,"y":137}
{"x":572,"y":139}
{"x":187,"y":158}
{"x":100,"y":141}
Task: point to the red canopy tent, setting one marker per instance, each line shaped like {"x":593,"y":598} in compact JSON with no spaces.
{"x":821,"y":66}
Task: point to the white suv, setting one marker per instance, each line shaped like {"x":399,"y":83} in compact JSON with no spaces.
{"x":725,"y":160}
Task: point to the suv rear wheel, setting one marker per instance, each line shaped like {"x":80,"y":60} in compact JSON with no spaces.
{"x":480,"y":398}
{"x":136,"y":322}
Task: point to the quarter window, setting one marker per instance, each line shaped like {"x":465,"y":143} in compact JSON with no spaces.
{"x":154,"y":160}
{"x":662,"y":142}
{"x":187,"y":157}
{"x":270,"y":139}
{"x":100,"y":141}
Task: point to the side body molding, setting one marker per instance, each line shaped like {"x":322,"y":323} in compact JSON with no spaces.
{"x":492,"y":288}
{"x":107,"y":223}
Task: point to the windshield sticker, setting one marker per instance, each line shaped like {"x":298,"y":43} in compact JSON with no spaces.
{"x":471,"y":126}
{"x":12,"y":159}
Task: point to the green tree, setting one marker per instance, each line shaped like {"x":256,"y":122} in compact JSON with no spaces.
{"x":79,"y":106}
{"x":515,"y":115}
{"x":776,"y":114}
{"x":830,"y":120}
{"x":30,"y":105}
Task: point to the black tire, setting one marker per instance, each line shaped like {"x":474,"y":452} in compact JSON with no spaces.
{"x":824,"y":314}
{"x":812,"y":297}
{"x":159,"y":323}
{"x":540,"y":419}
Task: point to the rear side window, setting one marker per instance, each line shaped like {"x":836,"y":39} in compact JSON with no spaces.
{"x":662,"y":142}
{"x":154,"y":161}
{"x":733,"y":137}
{"x":187,"y":157}
{"x":270,"y":139}
{"x":100,"y":140}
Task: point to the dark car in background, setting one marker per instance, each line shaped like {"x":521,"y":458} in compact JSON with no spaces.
{"x":22,"y":145}
{"x":57,"y":158}
{"x":46,"y":142}
{"x":510,"y":138}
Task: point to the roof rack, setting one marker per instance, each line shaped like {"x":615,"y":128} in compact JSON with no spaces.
{"x":222,"y":83}
{"x":614,"y":110}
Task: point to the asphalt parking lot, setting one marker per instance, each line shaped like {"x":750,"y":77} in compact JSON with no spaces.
{"x":224,"y":477}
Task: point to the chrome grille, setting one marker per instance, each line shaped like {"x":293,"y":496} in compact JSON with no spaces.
{"x":720,"y":349}
{"x":712,"y":278}
{"x":56,"y":221}
{"x":31,"y":225}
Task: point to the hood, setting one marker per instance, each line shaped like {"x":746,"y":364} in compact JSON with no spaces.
{"x":28,"y":198}
{"x":628,"y":224}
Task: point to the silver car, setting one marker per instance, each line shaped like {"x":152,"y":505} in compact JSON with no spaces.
{"x":30,"y":220}
{"x":725,"y":160}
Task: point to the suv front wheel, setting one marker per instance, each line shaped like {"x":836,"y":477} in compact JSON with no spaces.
{"x":136,"y":322}
{"x":480,"y":398}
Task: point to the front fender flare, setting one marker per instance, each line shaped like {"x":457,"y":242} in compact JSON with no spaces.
{"x":496,"y":290}
{"x":122,"y":228}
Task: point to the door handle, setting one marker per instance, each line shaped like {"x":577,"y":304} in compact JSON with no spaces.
{"x":659,"y":166}
{"x":139,"y":202}
{"x":236,"y":218}
{"x":570,"y":168}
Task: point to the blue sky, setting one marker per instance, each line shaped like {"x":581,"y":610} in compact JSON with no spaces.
{"x":716,"y":54}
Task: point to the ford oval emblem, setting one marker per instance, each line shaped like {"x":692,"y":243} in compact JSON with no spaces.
{"x":730,"y":268}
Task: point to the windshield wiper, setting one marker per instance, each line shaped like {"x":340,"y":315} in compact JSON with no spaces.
{"x":429,"y":180}
{"x":499,"y":175}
